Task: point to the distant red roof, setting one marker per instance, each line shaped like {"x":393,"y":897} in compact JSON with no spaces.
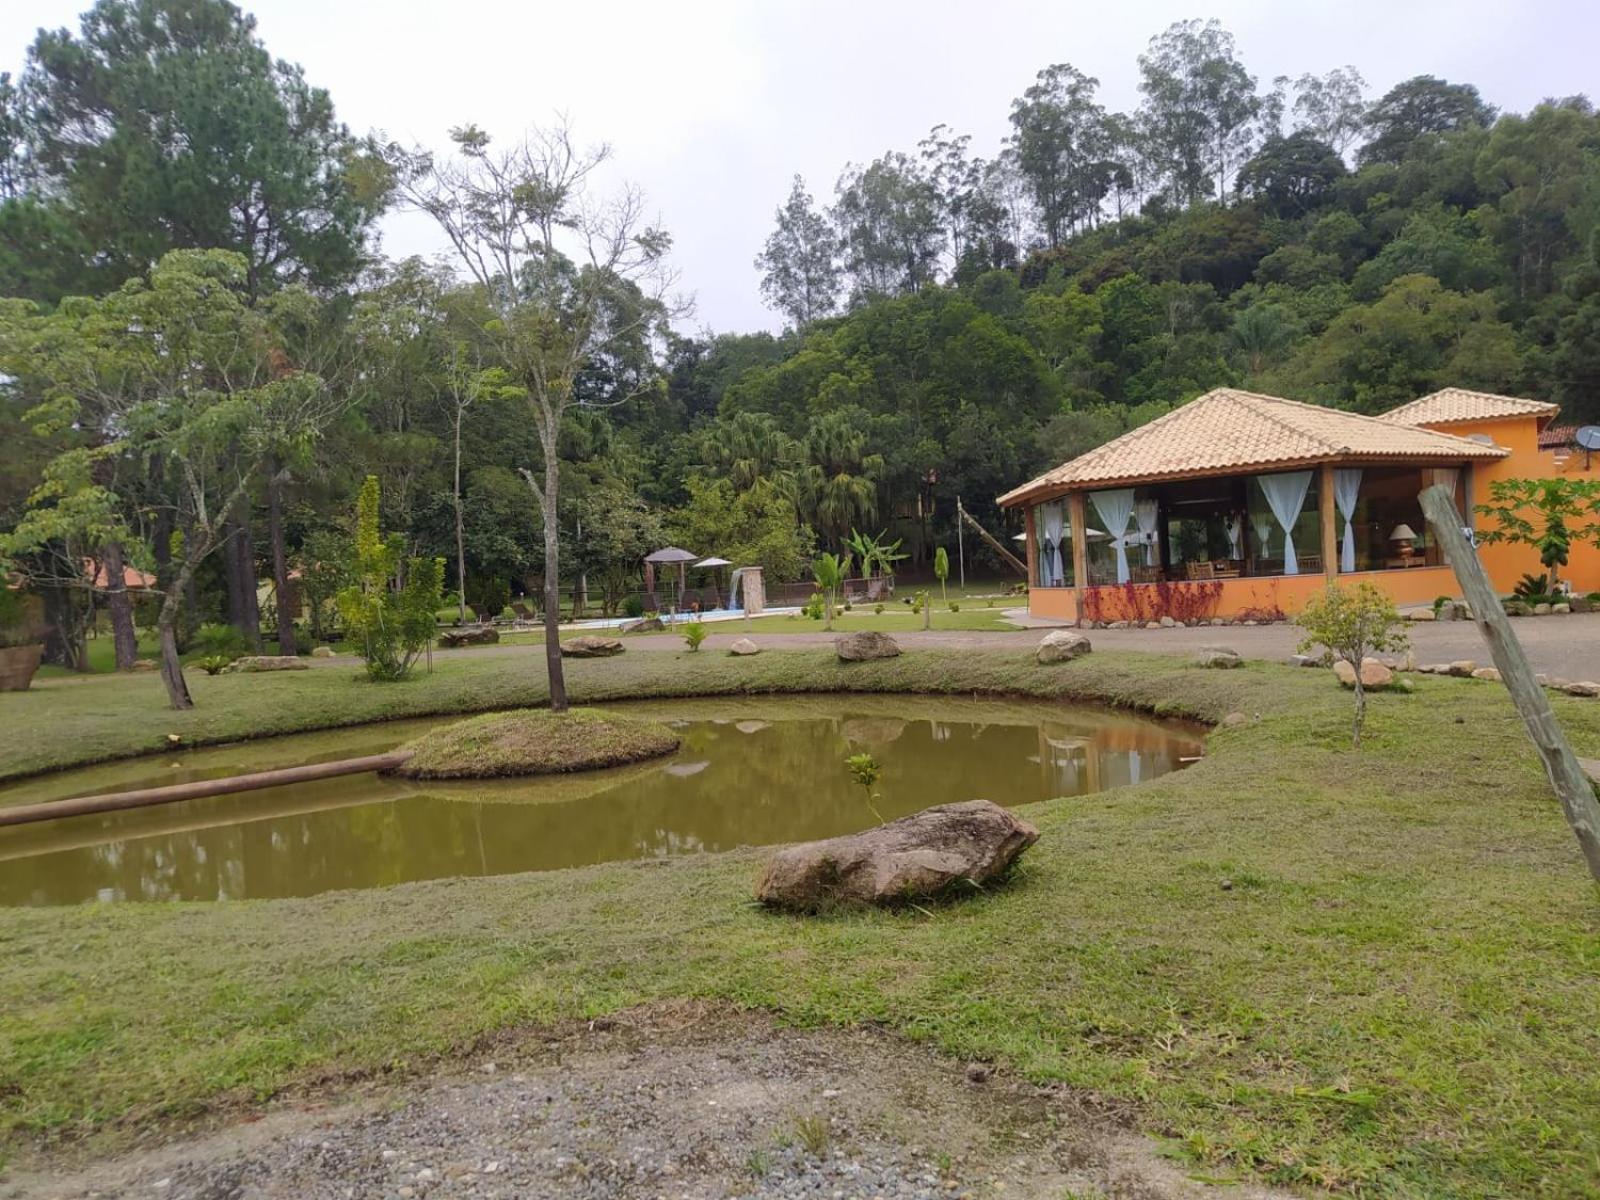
{"x":131,"y":578}
{"x":1553,"y":437}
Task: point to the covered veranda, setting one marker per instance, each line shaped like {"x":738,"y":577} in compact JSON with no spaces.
{"x":1238,"y":505}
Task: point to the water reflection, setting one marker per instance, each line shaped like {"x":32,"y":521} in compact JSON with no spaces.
{"x":754,"y":772}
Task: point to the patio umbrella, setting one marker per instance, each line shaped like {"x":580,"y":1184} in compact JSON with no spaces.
{"x":667,"y":556}
{"x":716,"y":564}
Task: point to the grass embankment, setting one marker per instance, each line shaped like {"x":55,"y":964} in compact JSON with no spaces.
{"x":535,"y":742}
{"x":1399,"y":994}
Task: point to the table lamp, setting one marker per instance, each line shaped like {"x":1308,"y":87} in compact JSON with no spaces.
{"x":1405,"y":536}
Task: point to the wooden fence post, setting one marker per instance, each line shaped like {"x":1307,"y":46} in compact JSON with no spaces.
{"x":1572,"y":786}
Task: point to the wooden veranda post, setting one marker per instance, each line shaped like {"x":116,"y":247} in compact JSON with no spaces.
{"x":1571,"y":785}
{"x":1330,"y":532}
{"x":1030,"y":544}
{"x":1077,"y":513}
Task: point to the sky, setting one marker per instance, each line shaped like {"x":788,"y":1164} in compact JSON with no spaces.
{"x":712,"y":107}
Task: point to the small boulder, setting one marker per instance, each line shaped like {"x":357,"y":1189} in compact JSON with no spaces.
{"x":590,"y":646}
{"x":1579,"y":604}
{"x":644,"y":625}
{"x":1374,"y":675}
{"x":1117,"y":625}
{"x":1561,"y":610}
{"x":1462,"y":668}
{"x":1166,"y":622}
{"x":915,"y":857}
{"x":1541,"y":610}
{"x":1582,"y":688}
{"x":1062,"y":645}
{"x":1219,"y":657}
{"x":322,"y":652}
{"x":1516,"y":608}
{"x":469,"y":635}
{"x":1307,"y":660}
{"x":744,"y":647}
{"x":145,"y":664}
{"x":860,"y":647}
{"x":1235,"y":719}
{"x":253,"y":663}
{"x":1152,"y":624}
{"x":1489,"y":673}
{"x":1420,"y":614}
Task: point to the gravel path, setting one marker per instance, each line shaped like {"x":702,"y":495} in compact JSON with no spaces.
{"x":1566,"y":646}
{"x":680,"y":1101}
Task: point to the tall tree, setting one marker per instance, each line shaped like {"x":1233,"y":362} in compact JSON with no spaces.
{"x":1064,"y":147}
{"x":889,"y":227}
{"x":1331,"y":108}
{"x":1419,"y":108}
{"x":165,"y":124}
{"x":570,"y":277}
{"x":799,"y":264}
{"x":1200,"y":107}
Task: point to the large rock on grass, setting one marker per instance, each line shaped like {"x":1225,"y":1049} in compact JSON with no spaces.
{"x":644,"y":625}
{"x":1374,"y":675}
{"x":1221,"y":658}
{"x":743,"y":648}
{"x":860,"y":647}
{"x":590,"y":646}
{"x":1062,"y":645}
{"x":253,"y":663}
{"x":916,"y":857}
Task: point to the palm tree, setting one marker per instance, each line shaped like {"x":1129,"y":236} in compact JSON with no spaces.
{"x":829,"y":571}
{"x":843,"y":472}
{"x":748,"y":449}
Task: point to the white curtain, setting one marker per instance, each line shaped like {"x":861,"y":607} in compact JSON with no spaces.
{"x":1145,"y":512}
{"x":1054,"y":576}
{"x":1286,"y":496}
{"x":1346,"y":488}
{"x":1235,"y":528}
{"x":1115,"y":509}
{"x":1261,"y":522}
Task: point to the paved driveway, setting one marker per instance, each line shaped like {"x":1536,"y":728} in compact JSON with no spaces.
{"x":1565,"y":646}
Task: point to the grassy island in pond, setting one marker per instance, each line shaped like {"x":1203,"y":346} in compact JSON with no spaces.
{"x":534,"y":742}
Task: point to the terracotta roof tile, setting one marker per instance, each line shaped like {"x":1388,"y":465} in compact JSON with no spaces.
{"x":1227,"y":431}
{"x":1458,"y":404}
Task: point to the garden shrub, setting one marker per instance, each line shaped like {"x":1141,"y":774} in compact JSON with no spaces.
{"x":390,"y":627}
{"x":213,"y":640}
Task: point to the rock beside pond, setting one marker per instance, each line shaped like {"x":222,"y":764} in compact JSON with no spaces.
{"x":644,"y":625}
{"x":915,"y":857}
{"x":1462,"y":668}
{"x":1374,"y":674}
{"x":743,"y":648}
{"x":1488,"y":673}
{"x":322,"y":652}
{"x":590,"y":646}
{"x":1582,"y":688}
{"x":253,"y":663}
{"x":1062,"y":645}
{"x":1220,"y":657}
{"x":860,"y":647}
{"x":470,"y":635}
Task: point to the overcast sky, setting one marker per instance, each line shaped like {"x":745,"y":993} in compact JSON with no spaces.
{"x":712,"y":107}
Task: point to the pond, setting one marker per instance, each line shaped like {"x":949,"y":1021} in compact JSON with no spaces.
{"x":752,"y":771}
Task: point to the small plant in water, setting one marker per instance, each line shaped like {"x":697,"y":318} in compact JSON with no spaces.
{"x":866,"y":770}
{"x":694,"y":633}
{"x":214,"y":664}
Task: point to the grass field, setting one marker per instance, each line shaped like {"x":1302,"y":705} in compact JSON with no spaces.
{"x":1397,"y":995}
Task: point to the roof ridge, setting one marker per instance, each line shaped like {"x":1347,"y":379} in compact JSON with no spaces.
{"x":1266,"y":414}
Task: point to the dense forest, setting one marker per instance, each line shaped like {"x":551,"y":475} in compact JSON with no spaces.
{"x":954,"y":323}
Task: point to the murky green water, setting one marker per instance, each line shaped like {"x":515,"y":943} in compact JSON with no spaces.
{"x":754,"y":771}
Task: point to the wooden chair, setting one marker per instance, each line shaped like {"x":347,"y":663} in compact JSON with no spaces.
{"x":1145,"y":574}
{"x":1311,"y":564}
{"x":1200,"y":570}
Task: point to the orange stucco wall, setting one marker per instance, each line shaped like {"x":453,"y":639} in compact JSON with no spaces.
{"x":1262,"y":597}
{"x":1507,"y":564}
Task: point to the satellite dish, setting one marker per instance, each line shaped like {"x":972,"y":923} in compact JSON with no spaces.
{"x":1483,"y":439}
{"x":1588,"y":437}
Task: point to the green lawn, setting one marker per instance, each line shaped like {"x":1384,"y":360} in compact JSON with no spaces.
{"x":1399,"y":994}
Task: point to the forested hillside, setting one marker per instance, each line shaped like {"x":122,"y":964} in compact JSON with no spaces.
{"x":954,"y":323}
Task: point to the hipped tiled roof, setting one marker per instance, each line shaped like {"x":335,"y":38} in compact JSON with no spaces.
{"x":1458,"y":404}
{"x":1227,"y":431}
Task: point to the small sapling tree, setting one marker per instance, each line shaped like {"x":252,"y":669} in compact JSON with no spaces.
{"x":941,"y":572}
{"x":1351,"y":623}
{"x":694,"y":633}
{"x":392,"y":626}
{"x":1546,"y":514}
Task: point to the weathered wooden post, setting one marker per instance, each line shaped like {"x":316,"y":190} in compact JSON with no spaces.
{"x":1571,"y":785}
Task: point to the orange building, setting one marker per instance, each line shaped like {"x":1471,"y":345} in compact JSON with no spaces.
{"x":1243,"y":506}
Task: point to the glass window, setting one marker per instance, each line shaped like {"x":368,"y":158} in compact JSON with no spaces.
{"x":1267,"y":543}
{"x":1052,"y":545}
{"x":1388,"y":505}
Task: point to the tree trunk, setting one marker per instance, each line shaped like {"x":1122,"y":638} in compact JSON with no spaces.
{"x":281,"y":588}
{"x":64,"y":643}
{"x":552,"y":582}
{"x":167,"y":630}
{"x":244,"y":613}
{"x":124,"y":638}
{"x":461,"y":531}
